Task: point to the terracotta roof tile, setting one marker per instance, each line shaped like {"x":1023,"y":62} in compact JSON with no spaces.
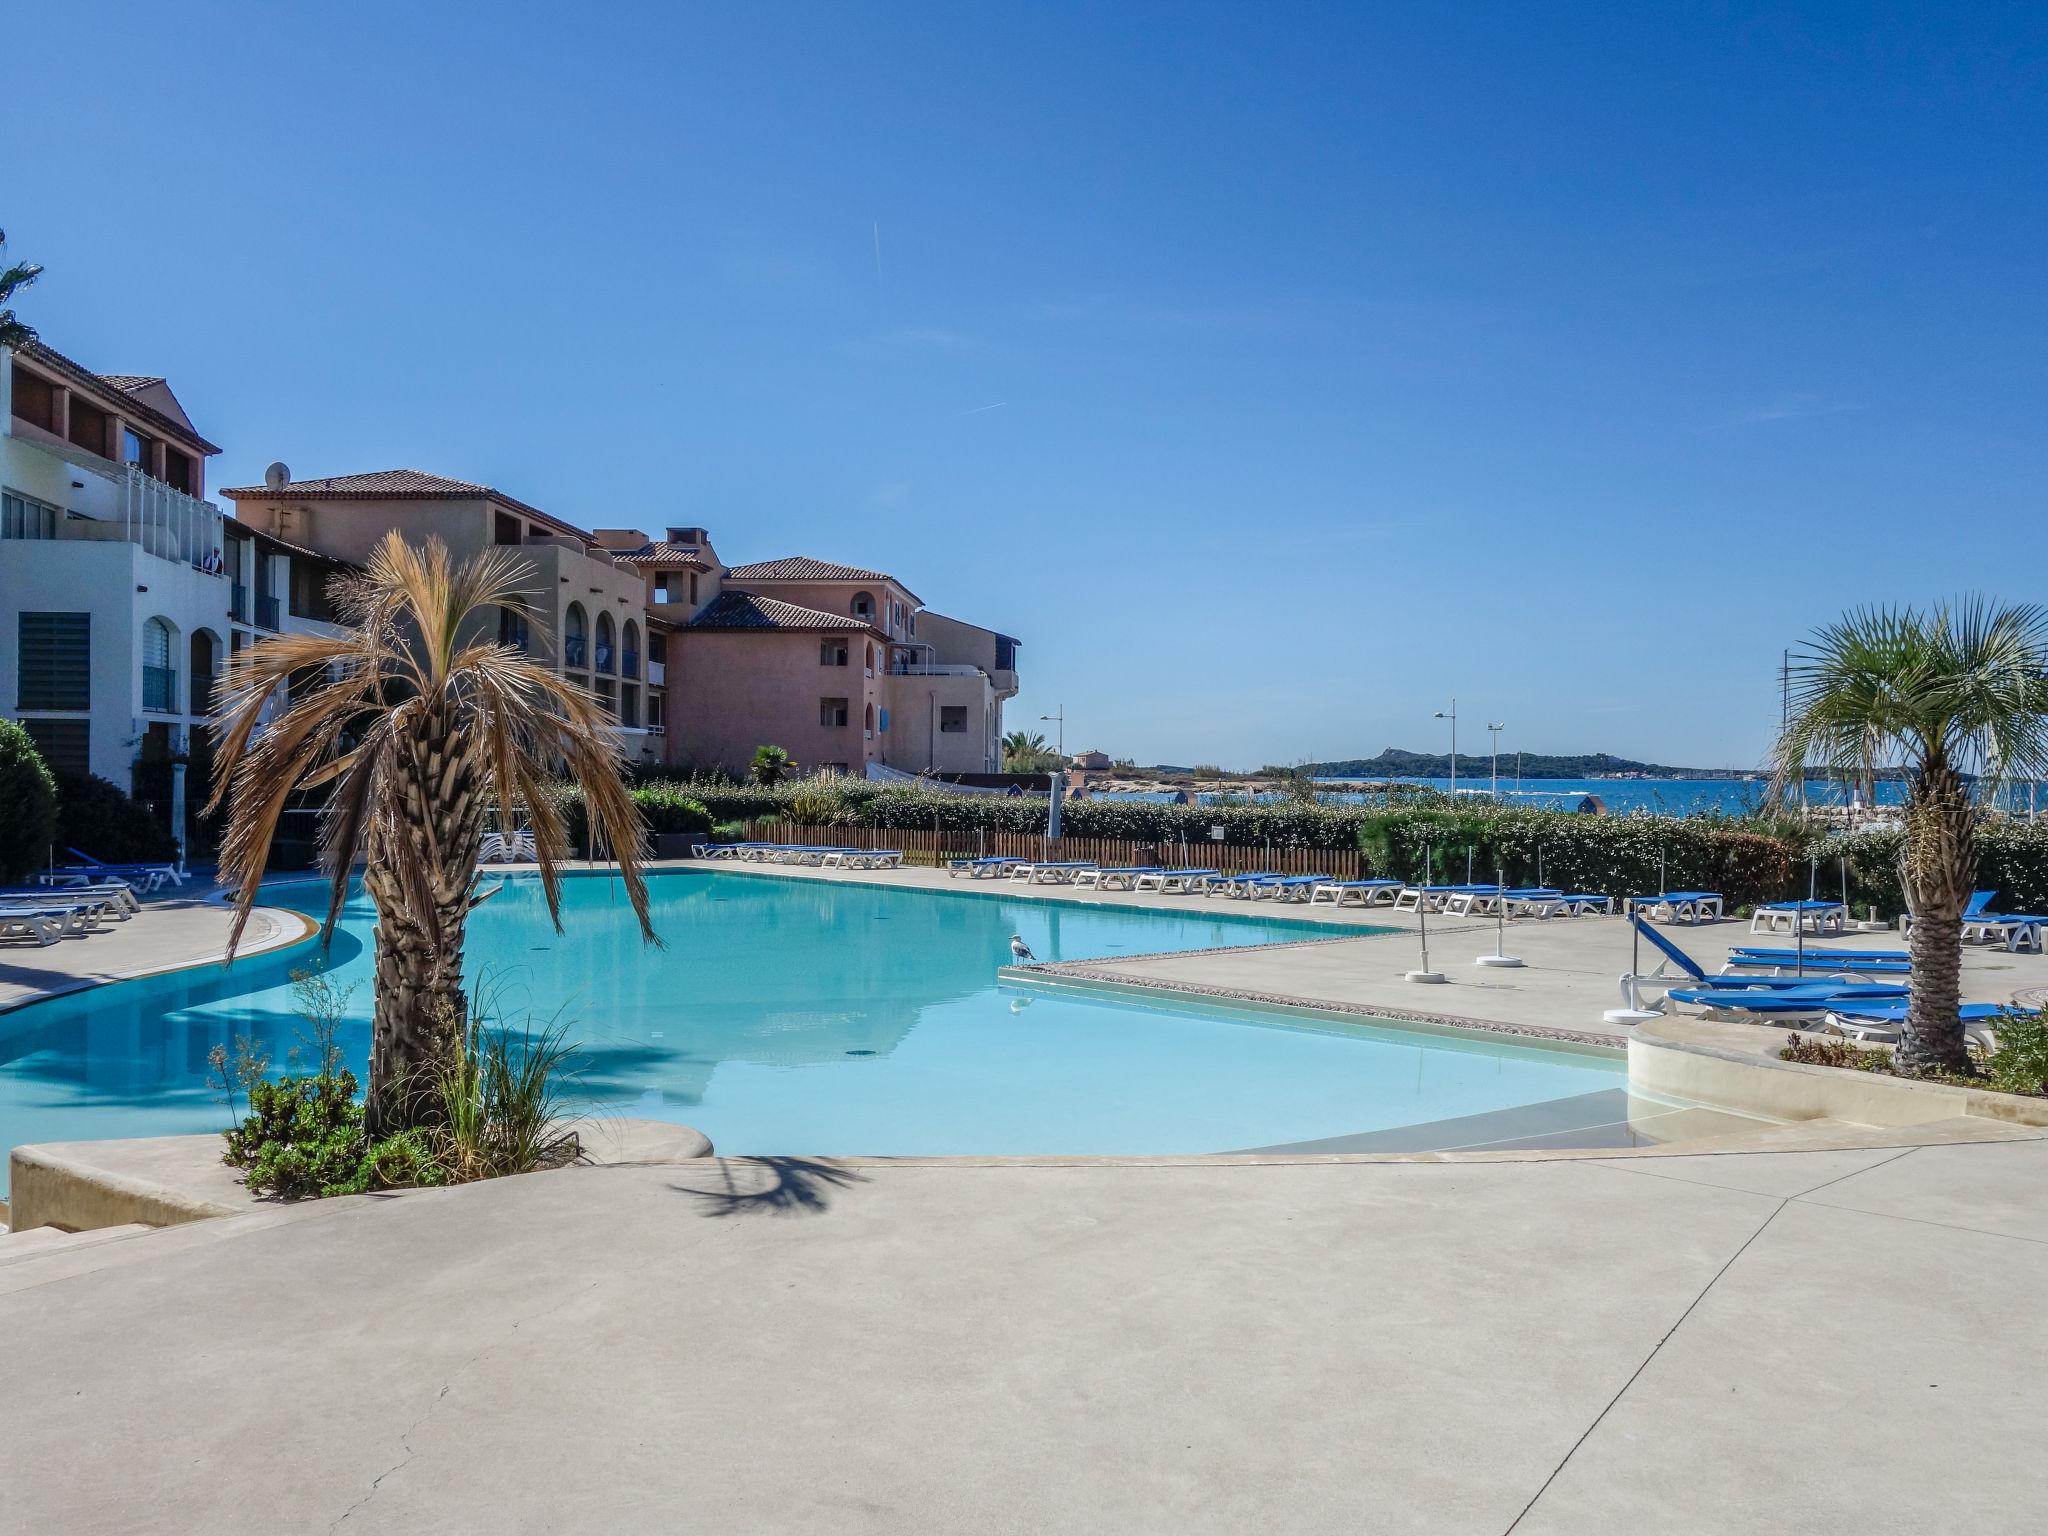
{"x":798,"y":568}
{"x":744,"y":610}
{"x":129,"y":383}
{"x":662,"y":554}
{"x":416,"y":483}
{"x":50,"y":357}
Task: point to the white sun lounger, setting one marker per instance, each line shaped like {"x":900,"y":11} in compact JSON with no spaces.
{"x":1367,"y":893}
{"x":863,"y":858}
{"x":1125,"y":876}
{"x":1059,"y":872}
{"x":1679,"y":906}
{"x":30,"y":923}
{"x":1175,"y":882}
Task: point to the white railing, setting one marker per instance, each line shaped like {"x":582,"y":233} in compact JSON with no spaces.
{"x":169,"y":523}
{"x":937,"y":669}
{"x":657,"y":674}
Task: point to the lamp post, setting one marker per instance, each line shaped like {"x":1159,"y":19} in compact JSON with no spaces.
{"x":1451,"y":715}
{"x":1061,"y":717}
{"x":1496,"y":726}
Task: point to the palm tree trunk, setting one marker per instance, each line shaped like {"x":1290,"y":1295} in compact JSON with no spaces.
{"x":1939,"y":869}
{"x":422,"y":863}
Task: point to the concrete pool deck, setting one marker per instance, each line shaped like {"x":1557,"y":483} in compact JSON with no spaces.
{"x":1811,"y":1341}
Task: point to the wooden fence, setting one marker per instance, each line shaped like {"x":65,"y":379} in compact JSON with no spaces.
{"x":932,"y":847}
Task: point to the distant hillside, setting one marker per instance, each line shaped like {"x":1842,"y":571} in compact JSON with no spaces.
{"x":1395,"y":763}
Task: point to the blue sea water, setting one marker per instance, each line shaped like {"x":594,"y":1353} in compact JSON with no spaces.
{"x":1662,"y":797}
{"x":791,"y":1016}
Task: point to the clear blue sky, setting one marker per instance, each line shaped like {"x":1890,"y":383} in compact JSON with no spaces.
{"x":1274,"y":372}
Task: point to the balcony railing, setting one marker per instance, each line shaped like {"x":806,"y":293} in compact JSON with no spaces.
{"x":266,"y":612}
{"x":167,"y":522}
{"x":238,"y":603}
{"x":575,"y":652}
{"x":160,"y":690}
{"x":629,"y":664}
{"x":604,"y":657}
{"x":657,"y":674}
{"x":936,"y":669}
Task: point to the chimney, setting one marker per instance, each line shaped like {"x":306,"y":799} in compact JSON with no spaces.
{"x":688,"y":536}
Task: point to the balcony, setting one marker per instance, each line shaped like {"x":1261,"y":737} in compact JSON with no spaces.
{"x":160,"y":690}
{"x":937,"y":669}
{"x":657,"y":674}
{"x":629,"y":665}
{"x":266,"y":612}
{"x":238,"y":603}
{"x":575,"y":652}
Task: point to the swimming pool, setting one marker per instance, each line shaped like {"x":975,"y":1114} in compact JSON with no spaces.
{"x":802,"y":1016}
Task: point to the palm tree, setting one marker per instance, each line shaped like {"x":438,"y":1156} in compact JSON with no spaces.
{"x":1951,"y":695}
{"x":771,"y":765}
{"x":14,"y":334}
{"x":417,"y":728}
{"x":1025,"y":753}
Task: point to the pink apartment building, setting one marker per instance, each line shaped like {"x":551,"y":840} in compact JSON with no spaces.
{"x":839,"y":665}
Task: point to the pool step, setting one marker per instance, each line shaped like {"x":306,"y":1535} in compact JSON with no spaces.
{"x":38,"y":1241}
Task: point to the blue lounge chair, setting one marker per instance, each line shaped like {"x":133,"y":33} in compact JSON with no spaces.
{"x":1815,"y":1000}
{"x":165,"y":873}
{"x":1290,"y":888}
{"x":1241,"y":886}
{"x":118,"y":895}
{"x":983,"y":868}
{"x":1635,"y":997}
{"x":1880,"y":1022}
{"x":1176,"y":882}
{"x":1108,"y":877}
{"x":1366,"y":892}
{"x":1818,"y":962}
{"x":30,"y":923}
{"x":1680,"y":906}
{"x":1814,"y":916}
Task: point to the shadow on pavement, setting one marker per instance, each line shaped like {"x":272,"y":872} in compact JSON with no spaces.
{"x":782,"y":1186}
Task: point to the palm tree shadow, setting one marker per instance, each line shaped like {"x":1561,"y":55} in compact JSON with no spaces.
{"x":780,"y":1186}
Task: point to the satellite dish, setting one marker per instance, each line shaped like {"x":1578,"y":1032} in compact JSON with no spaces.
{"x":277,"y":477}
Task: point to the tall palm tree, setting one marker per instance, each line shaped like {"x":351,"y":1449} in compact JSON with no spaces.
{"x":14,"y":333}
{"x":1951,"y":695}
{"x":417,"y":729}
{"x":1024,"y":752}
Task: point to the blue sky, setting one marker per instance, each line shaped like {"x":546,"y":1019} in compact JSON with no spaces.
{"x":1273,"y":372}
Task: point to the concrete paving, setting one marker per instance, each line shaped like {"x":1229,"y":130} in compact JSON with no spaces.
{"x":1818,"y":1342}
{"x":179,"y":928}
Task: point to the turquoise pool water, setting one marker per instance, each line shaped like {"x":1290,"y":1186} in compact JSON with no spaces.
{"x":793,"y":1016}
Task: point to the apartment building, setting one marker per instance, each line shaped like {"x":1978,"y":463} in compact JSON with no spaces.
{"x":841,"y":666}
{"x":589,"y":619}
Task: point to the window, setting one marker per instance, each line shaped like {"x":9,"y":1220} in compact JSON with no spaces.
{"x":178,"y":472}
{"x":882,"y":721}
{"x":56,"y":661}
{"x":629,"y":651}
{"x":89,"y":426}
{"x":629,"y":706}
{"x":513,"y":629}
{"x":654,"y":711}
{"x":606,"y":655}
{"x":693,"y":586}
{"x":504,"y":528}
{"x":832,"y":713}
{"x":159,"y":678}
{"x":575,"y":639}
{"x":35,"y":399}
{"x":657,"y":648}
{"x":661,"y":588}
{"x":831,"y":653}
{"x":863,"y":606}
{"x":23,"y":517}
{"x":135,"y":448}
{"x":867,"y":723}
{"x":871,"y":659}
{"x":65,"y":744}
{"x":952,"y":718}
{"x":608,"y":696}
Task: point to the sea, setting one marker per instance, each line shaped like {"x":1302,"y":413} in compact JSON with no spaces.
{"x":1660,"y":797}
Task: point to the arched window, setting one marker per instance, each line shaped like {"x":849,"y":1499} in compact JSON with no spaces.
{"x":629,"y":650}
{"x":159,"y":677}
{"x":863,"y":606}
{"x":871,"y":658}
{"x":575,"y":639}
{"x":869,"y":722}
{"x":607,"y":658}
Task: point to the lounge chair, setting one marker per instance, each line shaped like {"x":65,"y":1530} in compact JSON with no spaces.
{"x":1413,"y":897}
{"x":1240,"y":886}
{"x":1289,"y":888}
{"x":1367,"y":893}
{"x":117,"y":896}
{"x":1057,"y":872}
{"x":30,"y":923}
{"x":1679,"y":906}
{"x":1125,"y":875}
{"x":1880,"y":1023}
{"x":1826,"y":962}
{"x":993,"y":866}
{"x":169,"y":873}
{"x":1474,"y":900}
{"x":1814,"y":1001}
{"x":1817,"y":917}
{"x":863,"y":858}
{"x":1175,"y":882}
{"x":1585,"y":904}
{"x":1636,"y":997}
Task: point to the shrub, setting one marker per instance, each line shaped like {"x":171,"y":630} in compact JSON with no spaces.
{"x":1825,"y":1051}
{"x":28,"y":791}
{"x":2020,"y":1064}
{"x":665,"y":808}
{"x":94,"y":815}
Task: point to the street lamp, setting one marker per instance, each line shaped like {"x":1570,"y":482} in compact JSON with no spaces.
{"x":1496,"y":726}
{"x":1061,"y":717}
{"x":1451,"y":715}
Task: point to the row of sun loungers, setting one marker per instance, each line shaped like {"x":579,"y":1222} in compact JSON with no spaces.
{"x":64,"y":908}
{"x":823,"y":856}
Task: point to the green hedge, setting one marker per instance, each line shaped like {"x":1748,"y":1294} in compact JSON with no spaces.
{"x":2012,"y":859}
{"x":94,"y":816}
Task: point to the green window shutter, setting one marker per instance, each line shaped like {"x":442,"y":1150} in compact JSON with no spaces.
{"x":56,"y":661}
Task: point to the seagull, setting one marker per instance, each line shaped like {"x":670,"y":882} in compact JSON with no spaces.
{"x":1020,"y":950}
